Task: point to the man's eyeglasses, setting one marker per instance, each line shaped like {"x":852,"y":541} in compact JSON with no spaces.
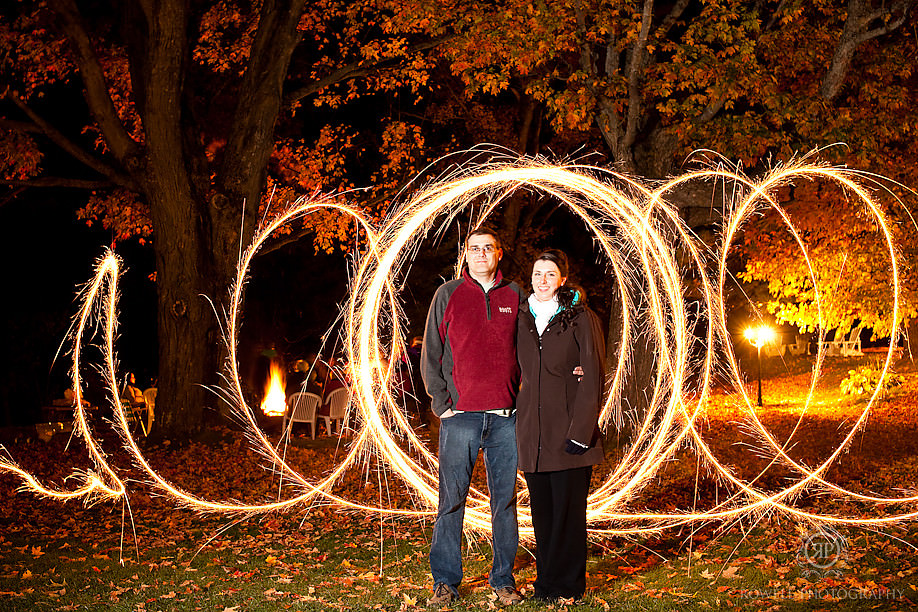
{"x":486,"y":249}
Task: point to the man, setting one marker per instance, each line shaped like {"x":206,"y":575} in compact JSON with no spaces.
{"x":470,"y":371}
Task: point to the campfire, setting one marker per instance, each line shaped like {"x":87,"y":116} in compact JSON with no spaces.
{"x":275,"y":400}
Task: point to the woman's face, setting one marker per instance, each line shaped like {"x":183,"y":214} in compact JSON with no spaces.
{"x":546,"y":279}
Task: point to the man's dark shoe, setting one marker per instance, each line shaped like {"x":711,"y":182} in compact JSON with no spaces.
{"x":442,"y":596}
{"x":507,"y":596}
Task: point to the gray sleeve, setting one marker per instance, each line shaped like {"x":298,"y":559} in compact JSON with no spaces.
{"x":435,"y":357}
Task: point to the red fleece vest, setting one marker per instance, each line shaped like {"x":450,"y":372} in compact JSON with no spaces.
{"x":481,"y":331}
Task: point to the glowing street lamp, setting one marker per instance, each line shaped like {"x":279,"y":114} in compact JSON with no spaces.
{"x":758,"y":337}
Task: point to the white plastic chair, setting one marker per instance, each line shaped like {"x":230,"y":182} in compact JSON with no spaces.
{"x":773,"y":348}
{"x":301,"y":408}
{"x":337,"y":409}
{"x":800,"y":345}
{"x":149,"y":397}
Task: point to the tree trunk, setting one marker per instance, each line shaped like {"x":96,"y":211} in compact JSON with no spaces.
{"x":652,"y":158}
{"x":198,"y":231}
{"x":189,"y":350}
{"x":911,"y":340}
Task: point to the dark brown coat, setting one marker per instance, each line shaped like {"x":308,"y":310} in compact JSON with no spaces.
{"x":552,"y":405}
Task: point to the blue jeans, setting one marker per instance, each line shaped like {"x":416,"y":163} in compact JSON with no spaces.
{"x":461,"y":436}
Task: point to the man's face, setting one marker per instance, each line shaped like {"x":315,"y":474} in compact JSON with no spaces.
{"x":482,"y":255}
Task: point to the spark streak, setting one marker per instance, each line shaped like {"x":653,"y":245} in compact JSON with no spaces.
{"x":639,"y":233}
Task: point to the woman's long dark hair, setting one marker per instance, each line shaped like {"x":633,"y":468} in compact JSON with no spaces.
{"x":569,"y":294}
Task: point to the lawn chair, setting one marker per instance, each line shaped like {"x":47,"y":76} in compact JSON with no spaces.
{"x":134,"y":406}
{"x":337,"y":409}
{"x":135,"y":415}
{"x":845,"y":347}
{"x":775,"y":348}
{"x":800,"y":346}
{"x":301,"y":408}
{"x":852,"y":346}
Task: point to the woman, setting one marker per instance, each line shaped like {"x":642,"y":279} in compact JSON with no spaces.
{"x":561,"y":353}
{"x":131,"y":393}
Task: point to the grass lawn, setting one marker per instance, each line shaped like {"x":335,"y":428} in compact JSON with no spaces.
{"x":151,"y":555}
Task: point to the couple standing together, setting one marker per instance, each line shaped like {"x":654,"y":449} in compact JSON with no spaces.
{"x":520,"y":378}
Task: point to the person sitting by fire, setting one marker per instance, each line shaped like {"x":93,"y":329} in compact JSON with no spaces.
{"x":296,"y":377}
{"x":316,"y":372}
{"x":131,"y":393}
{"x":334,"y":378}
{"x":70,"y":398}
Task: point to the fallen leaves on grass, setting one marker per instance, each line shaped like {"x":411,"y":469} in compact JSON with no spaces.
{"x":326,"y":557}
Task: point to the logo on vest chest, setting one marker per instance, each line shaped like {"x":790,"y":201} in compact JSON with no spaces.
{"x":505,"y":309}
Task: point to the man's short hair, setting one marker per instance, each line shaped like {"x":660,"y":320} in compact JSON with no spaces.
{"x":484,"y":230}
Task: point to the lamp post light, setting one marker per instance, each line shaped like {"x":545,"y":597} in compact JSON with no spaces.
{"x":758,"y":337}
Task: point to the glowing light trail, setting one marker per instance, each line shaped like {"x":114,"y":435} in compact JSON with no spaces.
{"x":639,"y":233}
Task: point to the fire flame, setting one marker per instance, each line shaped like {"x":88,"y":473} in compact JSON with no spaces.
{"x":275,"y":401}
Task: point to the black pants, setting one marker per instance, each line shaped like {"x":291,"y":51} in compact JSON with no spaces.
{"x":558,"y":503}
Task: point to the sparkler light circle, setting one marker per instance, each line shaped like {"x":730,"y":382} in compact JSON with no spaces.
{"x":647,"y":247}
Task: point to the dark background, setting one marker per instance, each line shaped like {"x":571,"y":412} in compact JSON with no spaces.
{"x":47,"y":254}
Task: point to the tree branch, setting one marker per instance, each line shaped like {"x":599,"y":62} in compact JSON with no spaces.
{"x":70,"y":147}
{"x":856,"y":32}
{"x":774,"y":14}
{"x":710,"y":111}
{"x":882,"y":13}
{"x":635,"y":71}
{"x":251,"y":141}
{"x":715,"y":106}
{"x":356,"y":70}
{"x":587,"y":59}
{"x":279,"y":243}
{"x":9,"y":197}
{"x":19,"y":126}
{"x":669,"y":21}
{"x":608,"y":118}
{"x":53,"y":181}
{"x":123,"y":147}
